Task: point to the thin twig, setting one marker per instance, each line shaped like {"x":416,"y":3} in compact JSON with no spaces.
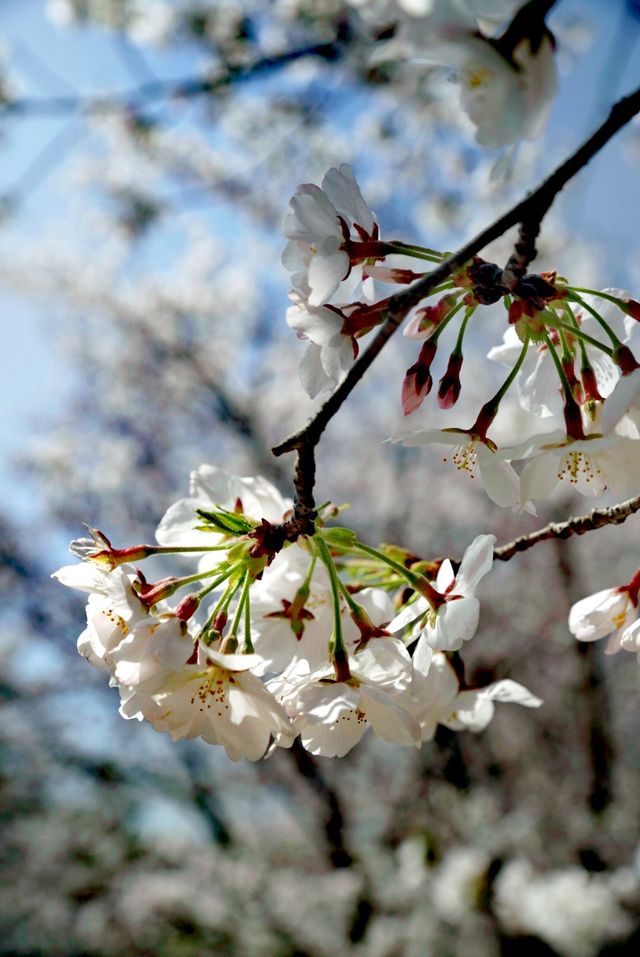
{"x":529,"y":211}
{"x":157,"y":90}
{"x":527,"y":23}
{"x":597,"y":518}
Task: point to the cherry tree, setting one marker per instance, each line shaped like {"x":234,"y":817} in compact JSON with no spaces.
{"x":266,"y":624}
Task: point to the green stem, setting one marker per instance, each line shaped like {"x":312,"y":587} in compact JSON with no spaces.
{"x":223,"y":603}
{"x":579,"y":334}
{"x":417,"y":252}
{"x":244,"y":594}
{"x":508,"y":382}
{"x":247,"y":648}
{"x":566,"y":388}
{"x":214,"y":584}
{"x":463,"y":328}
{"x":198,"y":576}
{"x":418,"y":582}
{"x":348,"y":597}
{"x":184,"y":549}
{"x":601,"y":322}
{"x":567,"y":354}
{"x":337,"y":648}
{"x":447,"y":319}
{"x":620,"y":303}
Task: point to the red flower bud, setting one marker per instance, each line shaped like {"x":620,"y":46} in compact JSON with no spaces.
{"x":417,"y":381}
{"x":515,"y":311}
{"x":573,"y":418}
{"x":450,"y":386}
{"x":590,"y":385}
{"x":625,"y":360}
{"x":187,"y":607}
{"x":219,"y":622}
{"x":632,"y":308}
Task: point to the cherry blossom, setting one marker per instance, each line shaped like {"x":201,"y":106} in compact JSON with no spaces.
{"x":113,"y":608}
{"x":329,"y":230}
{"x":612,"y":611}
{"x":152,"y":649}
{"x":212,"y":487}
{"x":476,"y":457}
{"x":291,"y":621}
{"x":330,"y":353}
{"x":590,"y":465}
{"x":507,"y":95}
{"x":219,"y":700}
{"x":332,"y":716}
{"x":456,"y":620}
{"x":439,"y":700}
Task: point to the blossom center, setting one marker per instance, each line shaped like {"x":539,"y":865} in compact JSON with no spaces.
{"x":578,"y":465}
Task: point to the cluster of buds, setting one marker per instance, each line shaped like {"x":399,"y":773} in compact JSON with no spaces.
{"x":570,"y":351}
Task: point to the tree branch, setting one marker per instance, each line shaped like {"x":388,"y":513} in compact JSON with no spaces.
{"x":528,"y":22}
{"x":597,"y":518}
{"x":154,"y":90}
{"x":530,"y":212}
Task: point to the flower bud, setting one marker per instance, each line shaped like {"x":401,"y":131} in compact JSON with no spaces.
{"x":425,"y":321}
{"x":220,"y":621}
{"x":417,"y":381}
{"x":590,"y":385}
{"x":631,"y":307}
{"x":187,"y":607}
{"x":625,"y":360}
{"x":99,"y":549}
{"x":450,"y":385}
{"x":573,"y":418}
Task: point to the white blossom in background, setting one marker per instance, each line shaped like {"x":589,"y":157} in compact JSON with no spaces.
{"x":612,"y":611}
{"x":573,"y":911}
{"x":459,"y":882}
{"x":507,"y":99}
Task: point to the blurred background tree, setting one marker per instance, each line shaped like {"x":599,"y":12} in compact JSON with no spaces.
{"x":150,"y":149}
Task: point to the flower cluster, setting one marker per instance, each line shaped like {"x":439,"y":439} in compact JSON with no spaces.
{"x":570,"y":352}
{"x":274,"y":643}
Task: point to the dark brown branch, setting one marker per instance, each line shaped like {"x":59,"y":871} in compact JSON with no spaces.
{"x":597,"y":518}
{"x":524,"y":253}
{"x":530,"y":212}
{"x":528,"y":22}
{"x":334,"y":824}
